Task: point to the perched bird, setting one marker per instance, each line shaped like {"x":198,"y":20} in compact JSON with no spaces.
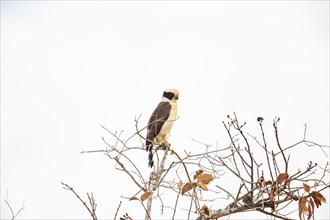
{"x":161,"y":122}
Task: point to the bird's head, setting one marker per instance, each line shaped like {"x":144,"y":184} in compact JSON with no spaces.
{"x":171,"y":94}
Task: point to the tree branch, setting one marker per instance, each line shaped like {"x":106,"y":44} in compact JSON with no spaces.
{"x":92,"y":210}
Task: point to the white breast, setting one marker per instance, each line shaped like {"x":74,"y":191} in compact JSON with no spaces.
{"x":165,"y":131}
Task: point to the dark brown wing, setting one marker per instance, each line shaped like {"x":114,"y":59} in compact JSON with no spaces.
{"x":157,"y":120}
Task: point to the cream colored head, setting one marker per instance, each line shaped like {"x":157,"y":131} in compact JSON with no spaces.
{"x":171,"y":95}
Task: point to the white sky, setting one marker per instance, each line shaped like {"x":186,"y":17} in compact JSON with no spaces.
{"x":68,"y":67}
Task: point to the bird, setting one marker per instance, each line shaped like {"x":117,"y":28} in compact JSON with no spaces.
{"x":161,"y":122}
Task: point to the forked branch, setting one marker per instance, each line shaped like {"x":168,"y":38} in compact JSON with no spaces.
{"x":92,"y":203}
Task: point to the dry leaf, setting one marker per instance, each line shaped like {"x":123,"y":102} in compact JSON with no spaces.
{"x":282,"y":177}
{"x":307,"y":188}
{"x":205,"y":210}
{"x":133,"y":198}
{"x":146,"y":195}
{"x":261,"y":182}
{"x":205,"y":178}
{"x":309,"y":212}
{"x":188,"y":186}
{"x":318,"y":198}
{"x":302,"y":206}
{"x":201,"y":185}
{"x":269,"y":182}
{"x":198,"y":172}
{"x":272,"y":195}
{"x":180,"y":184}
{"x":313,"y":206}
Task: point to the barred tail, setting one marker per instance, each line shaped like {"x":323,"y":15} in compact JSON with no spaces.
{"x":151,"y":160}
{"x":150,"y":157}
{"x":148,"y":145}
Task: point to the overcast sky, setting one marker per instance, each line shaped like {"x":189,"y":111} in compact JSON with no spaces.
{"x":68,"y":67}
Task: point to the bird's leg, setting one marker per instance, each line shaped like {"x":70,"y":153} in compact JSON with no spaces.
{"x":166,"y":145}
{"x":161,"y":146}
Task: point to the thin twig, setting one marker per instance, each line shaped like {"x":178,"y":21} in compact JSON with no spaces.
{"x":11,"y":210}
{"x":176,"y":204}
{"x":117,"y":210}
{"x":265,"y":145}
{"x":275,"y":122}
{"x":92,"y":201}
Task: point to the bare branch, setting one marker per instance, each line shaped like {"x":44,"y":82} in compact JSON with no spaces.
{"x":266,"y":151}
{"x":176,"y":204}
{"x":275,"y":122}
{"x":13,"y":214}
{"x":117,"y":210}
{"x":92,"y":209}
{"x":129,"y":174}
{"x":271,"y":195}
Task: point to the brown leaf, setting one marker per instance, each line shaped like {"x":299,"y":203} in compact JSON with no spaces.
{"x":261,"y":182}
{"x":188,"y":186}
{"x":201,"y":185}
{"x":300,"y":210}
{"x":272,"y":195}
{"x":269,"y":182}
{"x":205,"y":178}
{"x":282,"y":177}
{"x":309,"y":212}
{"x":146,"y":195}
{"x":205,"y":210}
{"x":198,"y":172}
{"x":318,"y":198}
{"x":307,"y":188}
{"x":313,"y":206}
{"x":302,"y":206}
{"x":133,"y":198}
{"x":180,"y":184}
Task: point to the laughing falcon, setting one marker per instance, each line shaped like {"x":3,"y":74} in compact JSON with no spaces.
{"x":161,"y":122}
